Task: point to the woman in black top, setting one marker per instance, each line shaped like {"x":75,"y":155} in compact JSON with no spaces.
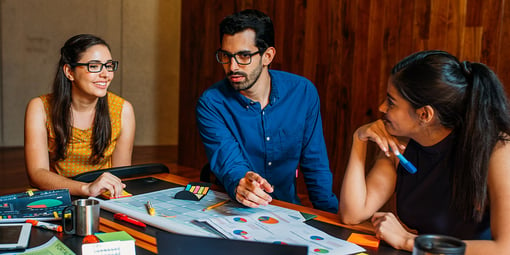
{"x":451,"y":120}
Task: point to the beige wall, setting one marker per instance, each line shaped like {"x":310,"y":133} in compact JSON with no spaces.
{"x":143,"y":35}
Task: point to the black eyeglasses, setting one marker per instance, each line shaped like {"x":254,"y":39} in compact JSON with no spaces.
{"x":96,"y":67}
{"x":242,"y":57}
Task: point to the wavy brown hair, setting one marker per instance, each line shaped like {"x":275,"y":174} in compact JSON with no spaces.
{"x":60,"y":103}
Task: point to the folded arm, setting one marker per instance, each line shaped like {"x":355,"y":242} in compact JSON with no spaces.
{"x":362,"y":195}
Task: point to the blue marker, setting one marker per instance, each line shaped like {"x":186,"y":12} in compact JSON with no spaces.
{"x":406,"y":164}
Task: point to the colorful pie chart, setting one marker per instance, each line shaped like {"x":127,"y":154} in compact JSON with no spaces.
{"x":319,"y":250}
{"x":316,"y":238}
{"x":240,"y":232}
{"x":267,"y":220}
{"x":239,"y":219}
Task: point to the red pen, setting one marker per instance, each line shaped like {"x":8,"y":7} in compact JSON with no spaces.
{"x":121,"y":216}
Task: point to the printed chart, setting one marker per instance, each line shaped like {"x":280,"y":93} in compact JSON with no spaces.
{"x":279,"y":229}
{"x":41,"y":205}
{"x":180,"y":216}
{"x":271,"y":224}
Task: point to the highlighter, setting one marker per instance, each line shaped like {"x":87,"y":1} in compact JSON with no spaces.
{"x":45,"y":225}
{"x":405,"y":163}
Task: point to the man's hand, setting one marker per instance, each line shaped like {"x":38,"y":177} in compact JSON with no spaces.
{"x":252,"y":190}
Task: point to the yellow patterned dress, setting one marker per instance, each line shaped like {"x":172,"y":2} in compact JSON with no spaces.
{"x":79,"y":148}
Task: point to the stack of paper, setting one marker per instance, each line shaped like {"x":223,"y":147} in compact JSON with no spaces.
{"x":233,"y":221}
{"x":275,"y":228}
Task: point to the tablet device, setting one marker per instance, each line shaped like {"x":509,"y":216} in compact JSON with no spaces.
{"x":14,"y":235}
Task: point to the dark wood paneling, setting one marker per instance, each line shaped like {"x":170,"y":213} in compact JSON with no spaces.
{"x":346,"y":48}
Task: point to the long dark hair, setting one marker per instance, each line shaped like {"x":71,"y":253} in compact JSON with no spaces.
{"x":469,"y":98}
{"x":61,"y":114}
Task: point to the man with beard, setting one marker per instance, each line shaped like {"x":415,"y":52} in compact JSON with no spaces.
{"x":258,"y":125}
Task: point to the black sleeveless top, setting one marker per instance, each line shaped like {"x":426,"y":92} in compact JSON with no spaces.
{"x":424,"y":198}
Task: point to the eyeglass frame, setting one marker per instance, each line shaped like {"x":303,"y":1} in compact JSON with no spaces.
{"x":230,"y":55}
{"x":114,"y":62}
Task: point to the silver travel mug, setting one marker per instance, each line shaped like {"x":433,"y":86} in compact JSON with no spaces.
{"x":438,"y":244}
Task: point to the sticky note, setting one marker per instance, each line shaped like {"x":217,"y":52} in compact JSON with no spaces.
{"x":364,"y":240}
{"x":114,"y":236}
{"x":107,"y":194}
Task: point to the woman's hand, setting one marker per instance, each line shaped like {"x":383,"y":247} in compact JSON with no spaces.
{"x":376,"y":132}
{"x":106,"y":181}
{"x":388,"y":228}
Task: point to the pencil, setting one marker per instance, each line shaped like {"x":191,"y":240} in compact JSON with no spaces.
{"x":216,"y":205}
{"x":151,"y":209}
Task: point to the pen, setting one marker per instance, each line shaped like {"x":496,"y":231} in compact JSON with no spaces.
{"x":406,"y":164}
{"x":216,"y":205}
{"x":151,"y":209}
{"x":123,"y":217}
{"x":45,"y":225}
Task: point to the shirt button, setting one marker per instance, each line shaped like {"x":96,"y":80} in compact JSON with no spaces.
{"x":268,"y":138}
{"x":269,"y":163}
{"x":263,"y":112}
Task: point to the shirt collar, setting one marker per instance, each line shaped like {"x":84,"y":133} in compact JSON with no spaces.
{"x":246,"y":102}
{"x":274,"y":95}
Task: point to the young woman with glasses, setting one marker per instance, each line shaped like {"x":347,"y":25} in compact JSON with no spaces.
{"x":81,"y":126}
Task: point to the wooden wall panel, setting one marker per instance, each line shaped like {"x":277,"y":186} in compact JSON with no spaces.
{"x":347,"y":48}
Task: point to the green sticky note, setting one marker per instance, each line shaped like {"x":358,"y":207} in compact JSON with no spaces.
{"x":308,"y":216}
{"x":114,"y":236}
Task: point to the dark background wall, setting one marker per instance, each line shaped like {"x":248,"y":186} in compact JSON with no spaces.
{"x":346,"y":48}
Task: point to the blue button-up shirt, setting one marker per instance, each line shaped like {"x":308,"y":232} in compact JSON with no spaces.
{"x":239,"y":137}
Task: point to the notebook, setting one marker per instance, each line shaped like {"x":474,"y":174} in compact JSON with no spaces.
{"x":171,"y":243}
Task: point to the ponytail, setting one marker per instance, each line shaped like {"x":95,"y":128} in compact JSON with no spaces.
{"x":486,"y":122}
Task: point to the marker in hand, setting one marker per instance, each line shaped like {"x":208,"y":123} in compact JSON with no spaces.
{"x":406,"y":164}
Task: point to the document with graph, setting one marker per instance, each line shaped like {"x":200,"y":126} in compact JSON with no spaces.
{"x":40,"y":205}
{"x":278,"y":228}
{"x":230,"y":220}
{"x":179,"y":216}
